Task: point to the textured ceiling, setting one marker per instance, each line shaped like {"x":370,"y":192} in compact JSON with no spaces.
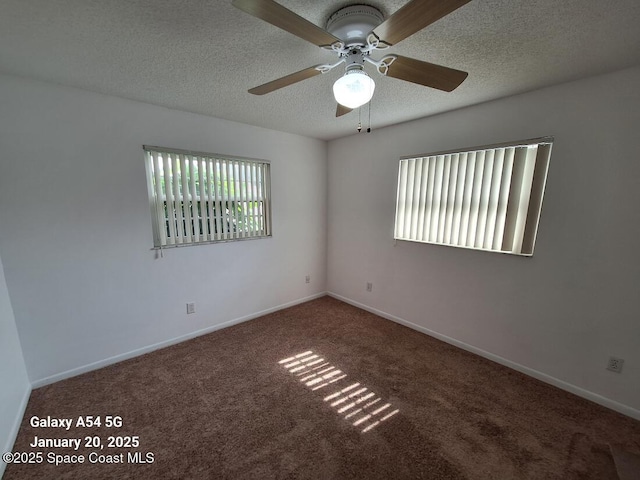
{"x":203,"y":55}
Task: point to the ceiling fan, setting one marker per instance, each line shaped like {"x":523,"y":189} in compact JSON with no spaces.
{"x":353,"y":33}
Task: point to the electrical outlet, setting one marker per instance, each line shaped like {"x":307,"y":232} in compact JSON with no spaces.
{"x":615,"y":364}
{"x":307,"y":279}
{"x":191,"y":308}
{"x":369,"y":286}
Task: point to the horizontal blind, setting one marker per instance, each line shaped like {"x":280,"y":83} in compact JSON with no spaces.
{"x":203,"y":198}
{"x":487,"y":198}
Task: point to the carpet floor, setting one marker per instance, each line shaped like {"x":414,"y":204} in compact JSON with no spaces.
{"x":321,"y":390}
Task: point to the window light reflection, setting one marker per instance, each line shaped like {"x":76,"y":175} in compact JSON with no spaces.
{"x":353,"y":402}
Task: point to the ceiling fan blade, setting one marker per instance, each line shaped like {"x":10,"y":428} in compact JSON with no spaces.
{"x":342,"y":110}
{"x":425,"y":73}
{"x":275,"y":14}
{"x":414,"y":16}
{"x":286,"y":81}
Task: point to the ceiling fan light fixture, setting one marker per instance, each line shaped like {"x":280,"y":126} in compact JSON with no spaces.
{"x":354,"y":89}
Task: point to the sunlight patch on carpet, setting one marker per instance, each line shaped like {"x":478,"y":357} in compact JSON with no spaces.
{"x":354,"y":402}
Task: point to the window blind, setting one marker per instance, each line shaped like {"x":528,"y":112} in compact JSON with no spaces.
{"x":203,"y":198}
{"x":486,"y":198}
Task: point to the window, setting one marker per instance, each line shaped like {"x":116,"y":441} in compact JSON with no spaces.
{"x":486,"y":198}
{"x":203,"y":198}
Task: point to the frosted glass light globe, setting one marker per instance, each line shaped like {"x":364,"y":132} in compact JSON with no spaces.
{"x":354,"y":89}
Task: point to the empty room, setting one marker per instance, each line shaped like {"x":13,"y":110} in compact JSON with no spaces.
{"x":257,"y":239}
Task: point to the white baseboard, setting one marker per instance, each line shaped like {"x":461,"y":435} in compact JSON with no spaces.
{"x":594,"y":397}
{"x":16,"y":427}
{"x":141,"y":351}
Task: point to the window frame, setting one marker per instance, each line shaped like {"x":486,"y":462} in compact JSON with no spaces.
{"x":241,"y":186}
{"x":521,"y":201}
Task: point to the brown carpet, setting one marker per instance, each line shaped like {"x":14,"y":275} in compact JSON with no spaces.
{"x":627,"y":464}
{"x":289,"y":395}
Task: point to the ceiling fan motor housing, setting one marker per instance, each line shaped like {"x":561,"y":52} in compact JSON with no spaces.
{"x":353,"y":24}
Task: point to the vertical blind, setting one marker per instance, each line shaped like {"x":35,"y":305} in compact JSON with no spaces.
{"x":487,"y":198}
{"x":203,"y":198}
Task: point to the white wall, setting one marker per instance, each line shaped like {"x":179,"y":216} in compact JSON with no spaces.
{"x":558,"y":315}
{"x":76,"y":236}
{"x":14,"y":383}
